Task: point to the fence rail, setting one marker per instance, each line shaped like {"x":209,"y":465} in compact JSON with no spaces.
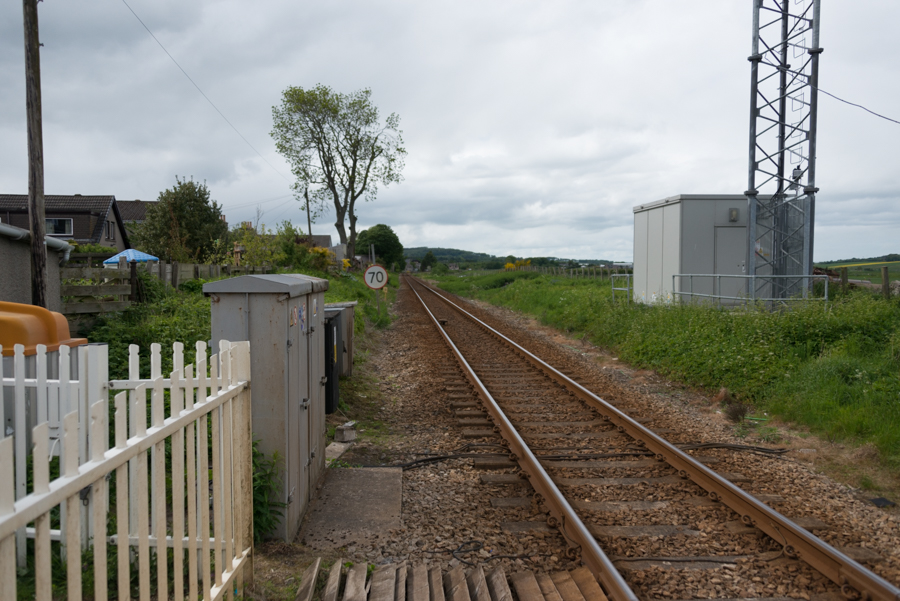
{"x":94,"y":296}
{"x":628,"y":289}
{"x":114,"y":288}
{"x":739,"y":284}
{"x":188,"y":469}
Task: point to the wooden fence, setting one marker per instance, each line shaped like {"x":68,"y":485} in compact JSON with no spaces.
{"x":98,"y":290}
{"x":106,"y":289}
{"x":152,"y":484}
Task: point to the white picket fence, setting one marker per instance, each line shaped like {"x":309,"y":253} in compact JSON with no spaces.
{"x":157,"y":494}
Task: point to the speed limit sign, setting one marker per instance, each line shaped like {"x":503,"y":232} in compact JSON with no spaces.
{"x":376,"y":277}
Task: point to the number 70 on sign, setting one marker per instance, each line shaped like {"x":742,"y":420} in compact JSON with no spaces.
{"x":376,"y":277}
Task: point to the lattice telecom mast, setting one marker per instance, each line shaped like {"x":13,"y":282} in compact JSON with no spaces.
{"x":781,"y":193}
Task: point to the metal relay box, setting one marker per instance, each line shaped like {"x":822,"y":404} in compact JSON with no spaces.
{"x":283,"y":318}
{"x":689,"y":234}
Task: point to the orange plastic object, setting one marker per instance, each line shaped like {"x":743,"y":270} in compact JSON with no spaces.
{"x":30,"y":326}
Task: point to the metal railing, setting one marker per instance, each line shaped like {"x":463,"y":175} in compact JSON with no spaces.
{"x":629,"y":285}
{"x":752,"y":280}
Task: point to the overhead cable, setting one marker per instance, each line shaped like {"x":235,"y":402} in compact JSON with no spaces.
{"x":211,"y":103}
{"x":858,"y":106}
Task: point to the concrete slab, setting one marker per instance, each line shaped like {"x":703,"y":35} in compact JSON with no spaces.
{"x":335,"y":450}
{"x":354,"y":505}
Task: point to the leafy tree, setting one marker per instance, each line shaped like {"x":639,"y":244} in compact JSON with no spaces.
{"x":427,"y":261}
{"x":259,"y":248}
{"x":338,"y":149}
{"x":184,"y":225}
{"x":387,"y":244}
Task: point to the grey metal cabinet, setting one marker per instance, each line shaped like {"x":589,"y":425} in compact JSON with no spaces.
{"x":281,"y":316}
{"x":689,"y":234}
{"x":334,"y":354}
{"x":348,"y":323}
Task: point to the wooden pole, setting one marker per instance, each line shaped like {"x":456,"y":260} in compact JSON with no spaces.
{"x":844,"y":281}
{"x":133,"y":278}
{"x":308,"y":218}
{"x":885,"y":282}
{"x":35,"y":154}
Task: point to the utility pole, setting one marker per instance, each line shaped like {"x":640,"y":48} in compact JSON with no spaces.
{"x":35,"y":154}
{"x":308,"y":217}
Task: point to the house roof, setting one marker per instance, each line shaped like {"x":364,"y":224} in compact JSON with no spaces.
{"x":323,"y":240}
{"x":134,"y":210}
{"x":69,"y":204}
{"x":98,"y":206}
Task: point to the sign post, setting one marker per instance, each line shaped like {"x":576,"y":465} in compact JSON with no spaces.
{"x":376,"y":278}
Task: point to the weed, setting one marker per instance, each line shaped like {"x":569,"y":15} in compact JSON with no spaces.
{"x":741,"y":429}
{"x":768,"y":434}
{"x":266,"y":485}
{"x":736,"y":411}
{"x":866,"y":483}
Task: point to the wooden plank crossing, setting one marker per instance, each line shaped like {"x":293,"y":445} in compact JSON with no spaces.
{"x":418,"y":582}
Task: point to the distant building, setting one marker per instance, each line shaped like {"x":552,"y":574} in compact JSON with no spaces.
{"x":453,"y":267}
{"x":323,"y":240}
{"x":15,"y":259}
{"x":76,"y":218}
{"x":134,"y":212}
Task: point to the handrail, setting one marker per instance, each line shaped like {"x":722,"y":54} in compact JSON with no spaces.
{"x":717,"y":286}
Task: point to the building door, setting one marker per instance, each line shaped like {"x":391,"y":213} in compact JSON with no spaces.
{"x":296,"y":472}
{"x":730,"y":257}
{"x":316,"y":425}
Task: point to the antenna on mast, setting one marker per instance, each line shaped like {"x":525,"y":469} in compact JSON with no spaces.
{"x":781,"y":191}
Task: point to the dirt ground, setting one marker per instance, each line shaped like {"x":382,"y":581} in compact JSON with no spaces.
{"x":393,"y":395}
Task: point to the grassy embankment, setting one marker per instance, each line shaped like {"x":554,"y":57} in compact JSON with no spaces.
{"x":833,"y":368}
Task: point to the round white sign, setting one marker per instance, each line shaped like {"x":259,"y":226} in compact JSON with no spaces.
{"x":376,"y":277}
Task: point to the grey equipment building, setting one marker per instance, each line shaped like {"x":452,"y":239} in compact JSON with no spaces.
{"x":283,"y":318}
{"x":700,"y":234}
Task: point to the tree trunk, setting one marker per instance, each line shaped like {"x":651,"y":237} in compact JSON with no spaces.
{"x":351,"y":246}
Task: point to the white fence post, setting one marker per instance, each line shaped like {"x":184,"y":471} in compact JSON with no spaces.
{"x":87,"y":463}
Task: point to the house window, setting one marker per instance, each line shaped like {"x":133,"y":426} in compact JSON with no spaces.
{"x":58,"y":227}
{"x":110,"y":230}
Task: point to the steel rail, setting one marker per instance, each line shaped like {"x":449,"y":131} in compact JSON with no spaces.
{"x":564,"y":516}
{"x":855,"y":580}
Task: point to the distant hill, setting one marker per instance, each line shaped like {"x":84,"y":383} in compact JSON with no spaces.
{"x":486,"y":261}
{"x":447,"y":255}
{"x":882,"y":259}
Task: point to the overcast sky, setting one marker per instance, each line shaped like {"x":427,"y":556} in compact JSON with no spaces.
{"x":532,"y":128}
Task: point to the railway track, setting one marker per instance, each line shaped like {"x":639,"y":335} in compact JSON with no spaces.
{"x":638,"y":504}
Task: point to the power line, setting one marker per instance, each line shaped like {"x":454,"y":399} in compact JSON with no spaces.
{"x":259,"y":202}
{"x":858,"y":106}
{"x":203,"y":94}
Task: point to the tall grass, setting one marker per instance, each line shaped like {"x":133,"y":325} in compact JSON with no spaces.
{"x":833,"y":367}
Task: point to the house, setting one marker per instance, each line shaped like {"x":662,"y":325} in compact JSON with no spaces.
{"x":77,"y":218}
{"x":321,"y":240}
{"x":134,"y":212}
{"x":15,"y":266}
